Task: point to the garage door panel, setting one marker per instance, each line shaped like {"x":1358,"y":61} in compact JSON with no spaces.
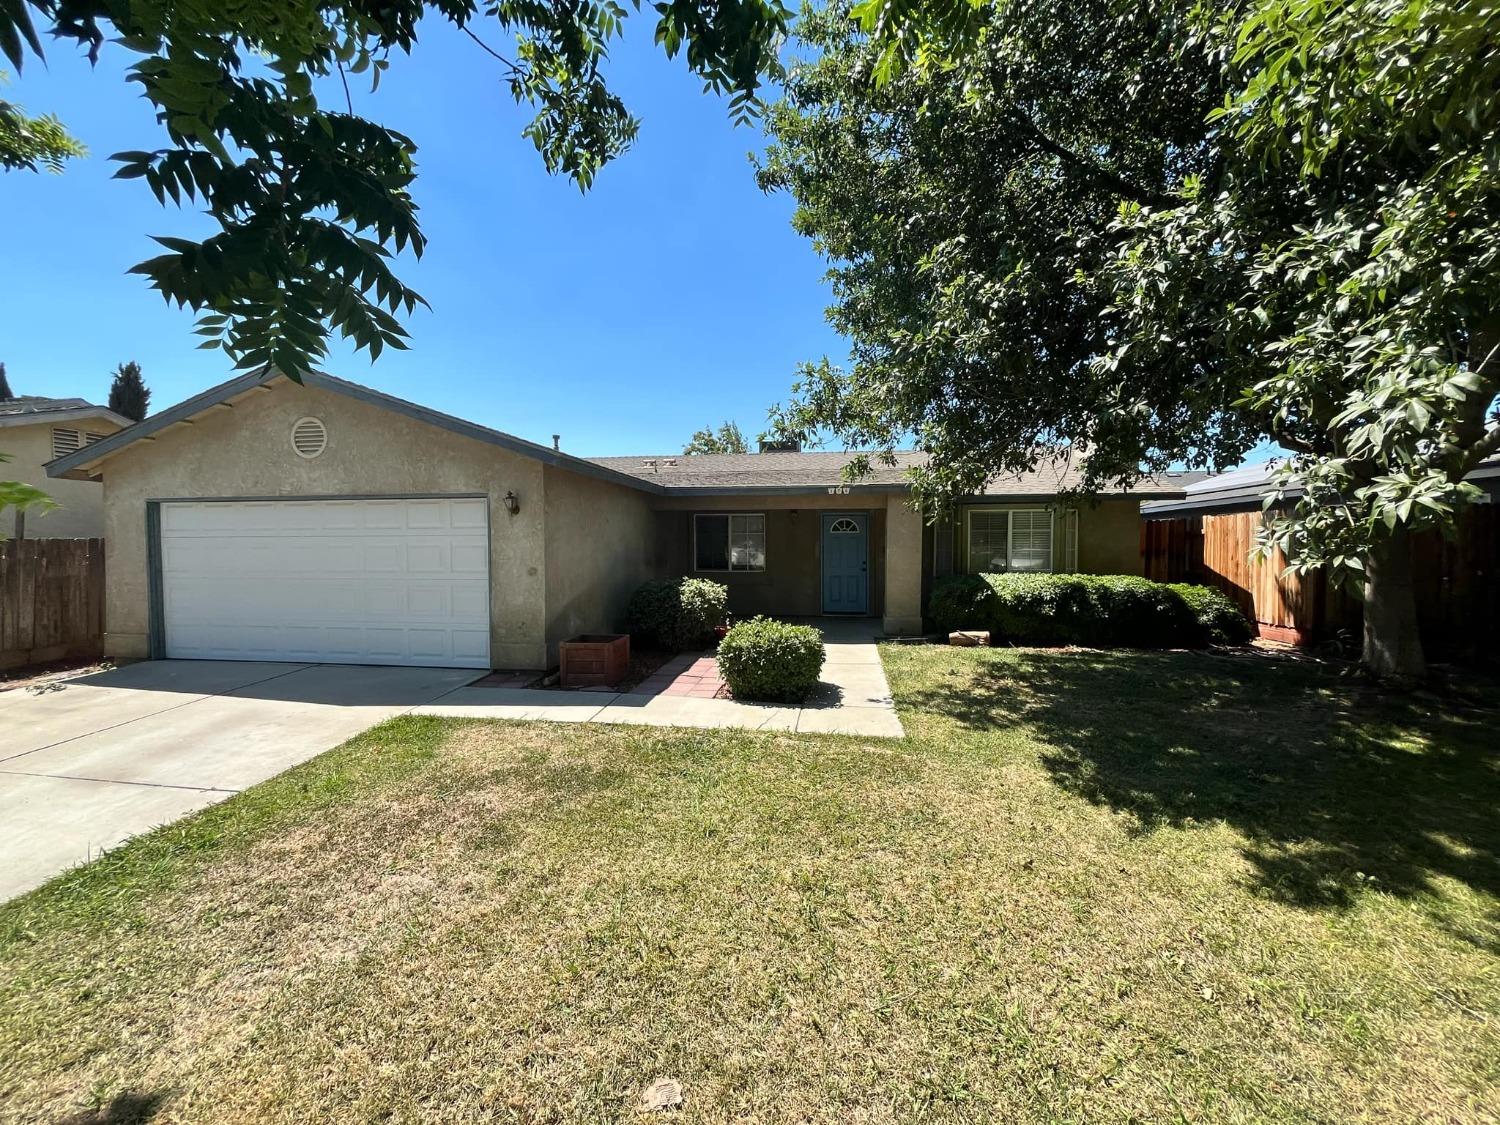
{"x":344,"y":581}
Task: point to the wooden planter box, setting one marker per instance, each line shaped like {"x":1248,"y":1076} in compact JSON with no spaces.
{"x":594,"y":659}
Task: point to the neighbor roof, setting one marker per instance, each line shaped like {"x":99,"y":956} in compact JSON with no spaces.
{"x":29,"y":409}
{"x":1244,"y":490}
{"x":814,"y":471}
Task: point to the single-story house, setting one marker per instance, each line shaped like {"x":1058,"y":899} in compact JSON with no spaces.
{"x":35,"y":430}
{"x":325,"y":521}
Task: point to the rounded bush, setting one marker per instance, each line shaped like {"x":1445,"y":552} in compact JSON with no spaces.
{"x":1097,"y":610}
{"x":676,"y":613}
{"x":771,"y":660}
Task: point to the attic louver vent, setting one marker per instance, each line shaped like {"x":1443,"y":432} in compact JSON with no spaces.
{"x":309,"y":437}
{"x":65,"y":441}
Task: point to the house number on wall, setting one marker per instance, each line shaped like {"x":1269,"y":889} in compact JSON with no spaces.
{"x":839,"y":490}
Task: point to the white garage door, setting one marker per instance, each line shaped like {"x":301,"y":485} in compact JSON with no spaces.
{"x":330,"y":581}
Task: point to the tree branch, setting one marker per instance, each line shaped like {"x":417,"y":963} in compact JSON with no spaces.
{"x":490,"y":50}
{"x":1095,"y":170}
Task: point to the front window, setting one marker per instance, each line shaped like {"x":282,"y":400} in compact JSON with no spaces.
{"x":1001,"y":540}
{"x":729,"y":542}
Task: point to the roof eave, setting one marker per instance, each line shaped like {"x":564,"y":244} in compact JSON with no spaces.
{"x":782,"y":489}
{"x":71,"y":414}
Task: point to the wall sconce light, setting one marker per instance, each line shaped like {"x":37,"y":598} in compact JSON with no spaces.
{"x":512,"y":505}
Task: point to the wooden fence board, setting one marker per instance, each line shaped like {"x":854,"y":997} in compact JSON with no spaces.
{"x":51,"y":600}
{"x":1458,"y":599}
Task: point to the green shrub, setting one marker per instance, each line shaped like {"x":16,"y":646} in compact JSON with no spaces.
{"x":676,"y":613}
{"x":1098,"y":610}
{"x":960,"y":602}
{"x":771,"y":660}
{"x":1219,"y":618}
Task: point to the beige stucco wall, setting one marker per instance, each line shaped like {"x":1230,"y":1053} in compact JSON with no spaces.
{"x":600,"y":545}
{"x":792,"y":583}
{"x":903,"y":566}
{"x":1109,"y":537}
{"x":80,"y":510}
{"x":245,"y":450}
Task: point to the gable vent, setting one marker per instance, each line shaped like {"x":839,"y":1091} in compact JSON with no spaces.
{"x":65,"y":441}
{"x":309,"y":437}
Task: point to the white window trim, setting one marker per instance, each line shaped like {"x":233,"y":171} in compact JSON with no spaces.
{"x":728,"y":546}
{"x":1010,"y":547}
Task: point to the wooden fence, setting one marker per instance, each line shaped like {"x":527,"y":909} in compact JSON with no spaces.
{"x":1458,"y":596}
{"x":51,"y":600}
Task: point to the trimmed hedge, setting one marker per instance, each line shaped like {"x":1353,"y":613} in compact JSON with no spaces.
{"x":676,"y":613}
{"x":771,"y":660}
{"x":1097,"y":610}
{"x":1219,"y":618}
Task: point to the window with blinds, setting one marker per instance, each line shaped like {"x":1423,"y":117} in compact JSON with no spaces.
{"x":1031,"y":540}
{"x":1000,"y":540}
{"x":989,"y":542}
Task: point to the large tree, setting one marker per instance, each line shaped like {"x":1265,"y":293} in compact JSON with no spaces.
{"x":1156,"y":233}
{"x":312,"y":200}
{"x":128,"y":393}
{"x":726,"y":439}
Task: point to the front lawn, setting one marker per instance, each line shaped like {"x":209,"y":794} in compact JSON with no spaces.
{"x":1088,"y":887}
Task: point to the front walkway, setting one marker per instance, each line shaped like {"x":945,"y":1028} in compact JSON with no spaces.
{"x":851,"y":698}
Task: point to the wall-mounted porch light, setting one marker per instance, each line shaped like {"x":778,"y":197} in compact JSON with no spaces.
{"x":512,"y":504}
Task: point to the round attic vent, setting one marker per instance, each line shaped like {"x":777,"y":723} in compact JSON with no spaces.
{"x":309,"y":437}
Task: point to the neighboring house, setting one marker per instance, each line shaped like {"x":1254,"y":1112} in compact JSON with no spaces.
{"x":264,"y":520}
{"x":1208,"y":534}
{"x":34,"y":431}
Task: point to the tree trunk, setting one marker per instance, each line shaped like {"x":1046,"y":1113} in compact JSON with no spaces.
{"x":1392,"y":644}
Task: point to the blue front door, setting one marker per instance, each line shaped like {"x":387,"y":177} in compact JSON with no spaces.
{"x":846,"y":564}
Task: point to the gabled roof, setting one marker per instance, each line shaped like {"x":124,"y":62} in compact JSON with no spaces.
{"x":26,"y":410}
{"x":664,"y":474}
{"x":84,"y":460}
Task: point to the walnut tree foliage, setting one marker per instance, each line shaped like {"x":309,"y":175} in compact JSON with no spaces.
{"x":30,"y":144}
{"x":1156,"y":233}
{"x":311,"y":199}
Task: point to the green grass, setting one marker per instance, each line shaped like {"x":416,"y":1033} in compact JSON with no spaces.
{"x":1087,"y":887}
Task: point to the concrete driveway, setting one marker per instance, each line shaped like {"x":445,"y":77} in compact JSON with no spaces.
{"x":87,"y":763}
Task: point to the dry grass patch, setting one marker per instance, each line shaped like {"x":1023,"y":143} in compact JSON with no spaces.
{"x":1088,"y":887}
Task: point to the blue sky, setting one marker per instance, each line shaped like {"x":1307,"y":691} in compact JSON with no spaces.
{"x":672,"y":295}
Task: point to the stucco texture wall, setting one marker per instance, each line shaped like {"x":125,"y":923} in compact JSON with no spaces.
{"x":600,"y":545}
{"x":80,"y":510}
{"x":791,"y":585}
{"x":245,"y":451}
{"x":1109,"y":537}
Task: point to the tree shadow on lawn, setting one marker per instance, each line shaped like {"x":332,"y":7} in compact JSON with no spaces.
{"x":1337,"y":786}
{"x":128,"y":1108}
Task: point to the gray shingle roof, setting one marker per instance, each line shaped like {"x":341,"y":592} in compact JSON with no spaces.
{"x":752,"y":471}
{"x":38,"y":404}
